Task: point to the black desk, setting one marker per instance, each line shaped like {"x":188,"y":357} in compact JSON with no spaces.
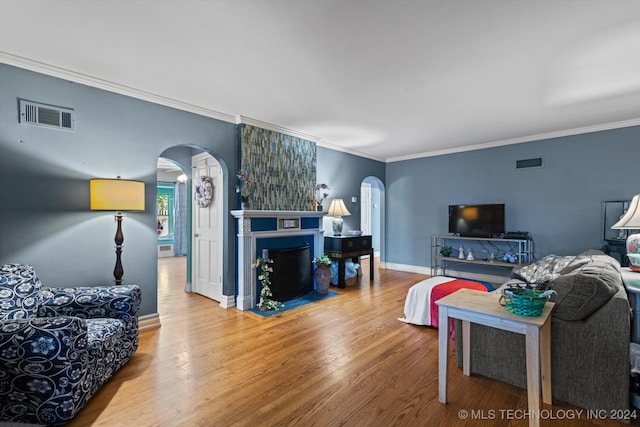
{"x":343,"y":247}
{"x":617,"y":246}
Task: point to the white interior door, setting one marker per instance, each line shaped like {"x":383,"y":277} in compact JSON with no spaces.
{"x":207,"y":231}
{"x":365,"y":208}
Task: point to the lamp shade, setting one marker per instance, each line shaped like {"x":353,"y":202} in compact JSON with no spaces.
{"x":338,"y":208}
{"x":116,"y":195}
{"x":631,"y":219}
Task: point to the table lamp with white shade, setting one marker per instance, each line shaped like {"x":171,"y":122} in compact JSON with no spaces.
{"x":631,"y":221}
{"x":337,"y":210}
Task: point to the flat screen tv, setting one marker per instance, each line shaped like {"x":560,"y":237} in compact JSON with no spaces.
{"x":476,"y":220}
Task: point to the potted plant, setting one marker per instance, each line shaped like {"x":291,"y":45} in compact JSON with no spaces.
{"x":446,"y":250}
{"x":322,"y":273}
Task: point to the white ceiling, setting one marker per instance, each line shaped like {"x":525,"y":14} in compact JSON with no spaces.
{"x":387,"y":79}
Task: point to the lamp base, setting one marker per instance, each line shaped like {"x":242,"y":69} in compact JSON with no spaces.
{"x":118,"y":271}
{"x":633,"y":252}
{"x":337,"y":226}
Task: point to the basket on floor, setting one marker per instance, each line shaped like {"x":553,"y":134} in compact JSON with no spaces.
{"x":524,"y":302}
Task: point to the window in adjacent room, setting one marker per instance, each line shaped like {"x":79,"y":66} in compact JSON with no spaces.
{"x":164,"y":209}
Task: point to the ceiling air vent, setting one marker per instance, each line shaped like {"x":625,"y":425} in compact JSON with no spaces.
{"x":34,"y":113}
{"x":529,"y":163}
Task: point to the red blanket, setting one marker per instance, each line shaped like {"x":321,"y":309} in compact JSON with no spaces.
{"x":445,"y":289}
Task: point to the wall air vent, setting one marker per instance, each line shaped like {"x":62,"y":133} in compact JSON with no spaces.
{"x":36,"y":114}
{"x":529,"y":163}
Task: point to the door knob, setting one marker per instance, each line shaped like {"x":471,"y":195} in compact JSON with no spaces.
{"x":196,"y":235}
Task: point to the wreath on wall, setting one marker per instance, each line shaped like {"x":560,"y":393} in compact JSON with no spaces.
{"x":203,"y":194}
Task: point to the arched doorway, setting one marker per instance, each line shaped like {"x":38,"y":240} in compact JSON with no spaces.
{"x":203,"y":230}
{"x":372,"y":211}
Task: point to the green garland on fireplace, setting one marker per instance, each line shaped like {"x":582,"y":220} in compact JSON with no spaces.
{"x":266,"y":303}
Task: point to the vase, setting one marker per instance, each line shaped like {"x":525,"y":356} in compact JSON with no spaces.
{"x":319,"y":208}
{"x":244,"y":205}
{"x":323,"y":278}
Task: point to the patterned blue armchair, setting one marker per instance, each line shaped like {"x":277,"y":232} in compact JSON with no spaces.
{"x":58,"y":346}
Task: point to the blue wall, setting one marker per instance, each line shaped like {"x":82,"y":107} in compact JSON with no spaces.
{"x":560,"y":204}
{"x":45,"y":219}
{"x":44,"y":181}
{"x":344,"y":173}
{"x":44,"y":185}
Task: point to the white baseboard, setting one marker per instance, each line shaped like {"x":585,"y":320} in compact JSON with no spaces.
{"x":228,"y":301}
{"x":149,"y":321}
{"x":406,"y":267}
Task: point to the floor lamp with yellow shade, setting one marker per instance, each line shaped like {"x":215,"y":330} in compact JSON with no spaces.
{"x":117,"y":195}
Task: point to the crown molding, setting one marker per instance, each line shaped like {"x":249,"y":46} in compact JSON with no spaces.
{"x":520,"y":140}
{"x":62,"y":73}
{"x":331,"y":146}
{"x":275,"y":128}
{"x":319,"y":141}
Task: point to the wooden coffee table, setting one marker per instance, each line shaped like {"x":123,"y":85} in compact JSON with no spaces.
{"x":483,"y":308}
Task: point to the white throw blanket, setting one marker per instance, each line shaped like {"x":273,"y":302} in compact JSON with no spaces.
{"x":417,"y":305}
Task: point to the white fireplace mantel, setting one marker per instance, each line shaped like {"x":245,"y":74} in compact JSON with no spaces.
{"x":280,"y":224}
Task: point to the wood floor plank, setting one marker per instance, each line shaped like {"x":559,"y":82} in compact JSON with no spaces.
{"x":342,"y":361}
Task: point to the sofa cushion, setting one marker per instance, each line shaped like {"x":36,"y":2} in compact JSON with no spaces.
{"x":585,"y":286}
{"x":548,"y":268}
{"x":588,"y":257}
{"x":19,"y":292}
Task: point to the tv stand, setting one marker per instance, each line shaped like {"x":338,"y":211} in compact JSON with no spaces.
{"x":475,"y":236}
{"x":522,"y":249}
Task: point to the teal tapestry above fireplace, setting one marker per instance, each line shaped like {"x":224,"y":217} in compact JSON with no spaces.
{"x":283,"y":168}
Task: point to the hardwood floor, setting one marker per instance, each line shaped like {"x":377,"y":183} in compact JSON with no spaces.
{"x":343,"y":361}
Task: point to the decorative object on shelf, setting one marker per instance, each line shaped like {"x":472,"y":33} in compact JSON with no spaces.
{"x":631,"y":221}
{"x":203,"y":193}
{"x":511,"y":258}
{"x":244,"y":188}
{"x":525,"y":301}
{"x":521,"y":250}
{"x":321,"y":195}
{"x":322,"y":273}
{"x":470,"y":256}
{"x":116,"y":195}
{"x":337,"y":210}
{"x":446,"y":251}
{"x":355,"y":233}
{"x":265,"y":302}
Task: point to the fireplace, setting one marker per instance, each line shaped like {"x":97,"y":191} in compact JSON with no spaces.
{"x":291,"y":276}
{"x":273,"y":231}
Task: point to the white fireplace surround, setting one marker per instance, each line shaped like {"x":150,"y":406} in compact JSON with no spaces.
{"x":289,"y":224}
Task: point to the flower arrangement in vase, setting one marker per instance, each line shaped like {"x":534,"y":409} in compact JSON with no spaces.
{"x":321,"y":194}
{"x":266,"y":303}
{"x":244,"y":188}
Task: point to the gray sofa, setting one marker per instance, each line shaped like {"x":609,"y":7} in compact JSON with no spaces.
{"x":590,"y":334}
